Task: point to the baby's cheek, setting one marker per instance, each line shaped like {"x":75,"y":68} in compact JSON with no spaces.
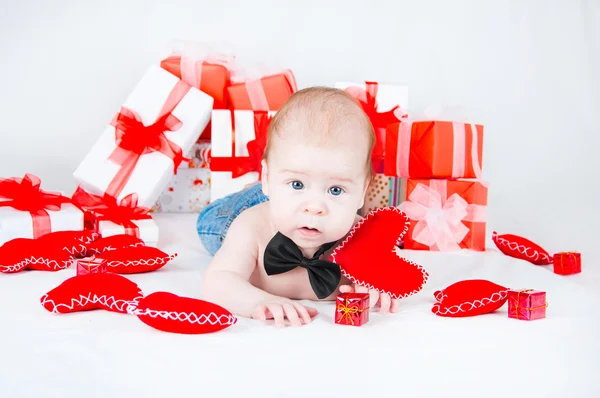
{"x":343,"y":222}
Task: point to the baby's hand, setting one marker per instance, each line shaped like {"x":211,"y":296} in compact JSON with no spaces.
{"x":280,"y":309}
{"x":386,"y":303}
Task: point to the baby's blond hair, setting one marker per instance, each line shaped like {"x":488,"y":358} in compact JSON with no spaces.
{"x":324,"y":112}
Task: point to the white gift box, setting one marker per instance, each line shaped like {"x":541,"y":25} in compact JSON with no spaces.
{"x":222,"y":182}
{"x":18,"y":224}
{"x":153,"y":170}
{"x":388,"y":96}
{"x":148,"y":230}
{"x":187,"y":192}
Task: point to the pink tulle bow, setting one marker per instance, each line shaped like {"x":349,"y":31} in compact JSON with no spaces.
{"x":440,"y":220}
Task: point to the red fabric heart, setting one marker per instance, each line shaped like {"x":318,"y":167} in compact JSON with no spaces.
{"x":73,"y":242}
{"x":521,"y":248}
{"x":22,"y":253}
{"x":369,"y":256}
{"x":133,"y":260}
{"x":171,"y":313}
{"x":113,"y":243}
{"x":110,"y":292}
{"x":469,"y":298}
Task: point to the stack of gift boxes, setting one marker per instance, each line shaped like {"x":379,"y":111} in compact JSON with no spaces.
{"x":445,"y":198}
{"x":224,"y":157}
{"x":189,"y":134}
{"x":193,"y":130}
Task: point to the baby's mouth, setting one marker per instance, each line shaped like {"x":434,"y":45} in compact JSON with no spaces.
{"x":309,"y":231}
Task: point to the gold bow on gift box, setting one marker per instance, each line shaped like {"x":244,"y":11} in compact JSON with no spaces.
{"x":348,"y":311}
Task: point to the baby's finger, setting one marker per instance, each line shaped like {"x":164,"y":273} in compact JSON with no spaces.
{"x":304,"y":315}
{"x":346,"y":289}
{"x":313,"y":312}
{"x":395,"y":307}
{"x":373,"y":298}
{"x":385,"y":302}
{"x":277,"y":312}
{"x":360,"y":289}
{"x":292,"y":314}
{"x":260,"y":313}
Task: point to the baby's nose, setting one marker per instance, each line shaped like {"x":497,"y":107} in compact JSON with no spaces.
{"x":314,"y":208}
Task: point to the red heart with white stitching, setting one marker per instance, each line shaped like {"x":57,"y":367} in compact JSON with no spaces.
{"x":135,"y":260}
{"x":519,"y":247}
{"x":110,"y":292}
{"x":370,"y":255}
{"x":469,"y":298}
{"x":172,"y":313}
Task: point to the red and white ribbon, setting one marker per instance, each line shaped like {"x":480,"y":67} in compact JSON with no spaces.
{"x":253,"y":84}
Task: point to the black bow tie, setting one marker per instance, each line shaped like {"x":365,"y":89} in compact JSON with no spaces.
{"x":282,"y":255}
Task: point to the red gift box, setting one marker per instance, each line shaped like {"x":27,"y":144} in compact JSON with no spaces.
{"x":527,"y":304}
{"x":445,"y":215}
{"x":567,"y":263}
{"x":206,"y":75}
{"x":433,"y":149}
{"x":352,"y":309}
{"x":268,"y":93}
{"x":91,"y":266}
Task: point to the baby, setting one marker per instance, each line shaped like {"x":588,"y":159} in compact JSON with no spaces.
{"x":271,"y":241}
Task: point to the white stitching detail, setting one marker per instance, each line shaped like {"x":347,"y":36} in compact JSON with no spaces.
{"x":105,"y":300}
{"x":212,"y":318}
{"x":111,"y":248}
{"x":468,"y":306}
{"x":52,"y":265}
{"x":142,"y":262}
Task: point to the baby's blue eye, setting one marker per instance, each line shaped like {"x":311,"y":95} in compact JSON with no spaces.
{"x":297,"y":185}
{"x":336,"y":191}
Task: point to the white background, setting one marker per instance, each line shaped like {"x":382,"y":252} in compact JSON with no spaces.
{"x":528,"y":70}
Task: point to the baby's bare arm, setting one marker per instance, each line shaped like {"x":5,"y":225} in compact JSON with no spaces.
{"x":226,"y":280}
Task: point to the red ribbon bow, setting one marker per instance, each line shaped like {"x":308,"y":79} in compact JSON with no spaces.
{"x":240,"y":165}
{"x":106,"y":208}
{"x":24,"y":194}
{"x":368,"y":100}
{"x":134,"y":139}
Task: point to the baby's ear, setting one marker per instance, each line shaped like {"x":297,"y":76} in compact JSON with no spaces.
{"x":264,"y":177}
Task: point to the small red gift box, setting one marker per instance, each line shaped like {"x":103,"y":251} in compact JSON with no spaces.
{"x":91,"y":266}
{"x":265,"y":94}
{"x":433,"y":149}
{"x":567,"y":263}
{"x":527,"y":304}
{"x":352,"y":309}
{"x":445,"y":215}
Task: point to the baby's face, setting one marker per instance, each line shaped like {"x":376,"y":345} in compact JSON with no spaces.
{"x":315,"y":191}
